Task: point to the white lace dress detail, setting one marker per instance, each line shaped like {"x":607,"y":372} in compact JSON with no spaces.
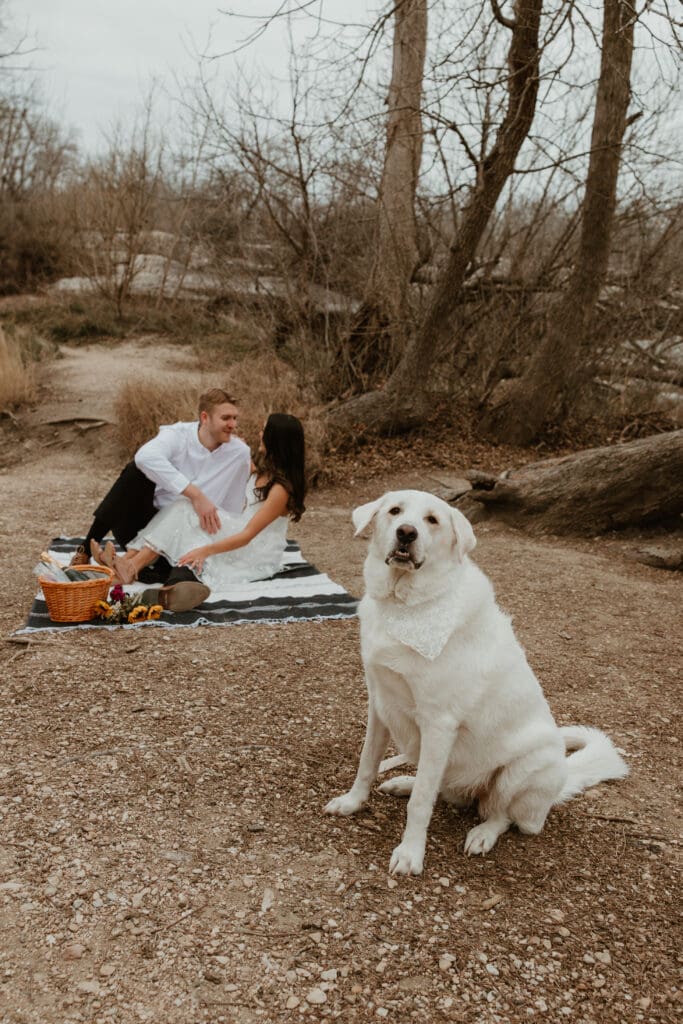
{"x":175,"y":530}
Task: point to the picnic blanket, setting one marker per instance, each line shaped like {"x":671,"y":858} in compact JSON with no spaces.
{"x":297,"y":593}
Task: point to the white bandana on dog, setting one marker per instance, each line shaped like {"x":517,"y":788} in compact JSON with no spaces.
{"x":427,"y":627}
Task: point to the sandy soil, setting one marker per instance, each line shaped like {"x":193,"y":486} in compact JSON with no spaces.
{"x":163,"y":855}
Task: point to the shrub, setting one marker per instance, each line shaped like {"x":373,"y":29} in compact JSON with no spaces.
{"x":143,"y":405}
{"x":261,"y":385}
{"x":17,"y":377}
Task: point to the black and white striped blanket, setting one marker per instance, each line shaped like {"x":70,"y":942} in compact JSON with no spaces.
{"x":297,"y":593}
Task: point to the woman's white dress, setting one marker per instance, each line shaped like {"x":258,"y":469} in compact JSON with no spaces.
{"x":175,"y":530}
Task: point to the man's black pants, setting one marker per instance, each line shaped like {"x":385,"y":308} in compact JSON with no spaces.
{"x":125,"y":510}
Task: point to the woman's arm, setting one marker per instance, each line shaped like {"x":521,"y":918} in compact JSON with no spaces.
{"x":271,"y":509}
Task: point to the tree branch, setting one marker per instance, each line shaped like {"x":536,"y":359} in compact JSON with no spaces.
{"x":500,"y":17}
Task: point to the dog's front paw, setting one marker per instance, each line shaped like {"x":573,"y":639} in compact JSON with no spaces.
{"x":481,"y":839}
{"x":407,"y":859}
{"x":347,"y":803}
{"x":401,"y":785}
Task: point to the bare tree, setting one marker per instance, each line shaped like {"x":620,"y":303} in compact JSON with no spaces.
{"x":384,"y":315}
{"x":405,"y":399}
{"x":116,"y":205}
{"x":566,"y":352}
{"x":36,"y":158}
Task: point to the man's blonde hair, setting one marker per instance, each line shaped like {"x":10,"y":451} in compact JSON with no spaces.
{"x":213,"y":397}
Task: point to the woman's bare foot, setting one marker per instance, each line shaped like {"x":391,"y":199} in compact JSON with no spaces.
{"x":104,"y":555}
{"x":125,"y":570}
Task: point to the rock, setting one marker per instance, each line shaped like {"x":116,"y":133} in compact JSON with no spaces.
{"x":267,"y":901}
{"x":92,"y":987}
{"x":660,"y":557}
{"x":316,"y":996}
{"x":603,"y":956}
{"x":330,"y":975}
{"x":446,"y":961}
{"x":212,"y":975}
{"x":492,"y":901}
{"x":106,"y":970}
{"x":416,"y":983}
{"x":175,"y":856}
{"x":292,"y":1002}
{"x":74,"y":951}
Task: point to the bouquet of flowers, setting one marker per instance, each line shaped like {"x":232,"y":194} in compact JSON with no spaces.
{"x":122,"y":608}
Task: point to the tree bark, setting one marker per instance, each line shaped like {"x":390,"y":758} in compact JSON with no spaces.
{"x":404,"y":401}
{"x":384,"y":312}
{"x":591,"y":491}
{"x":397,"y":251}
{"x":565,"y":355}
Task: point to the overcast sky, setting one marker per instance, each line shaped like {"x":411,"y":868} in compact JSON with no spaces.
{"x":97,"y":59}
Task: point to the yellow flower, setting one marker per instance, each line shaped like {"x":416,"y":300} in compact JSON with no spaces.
{"x":103,"y":609}
{"x":138,"y":613}
{"x":154,"y":612}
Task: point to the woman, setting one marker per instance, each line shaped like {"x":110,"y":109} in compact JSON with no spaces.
{"x":247,"y":547}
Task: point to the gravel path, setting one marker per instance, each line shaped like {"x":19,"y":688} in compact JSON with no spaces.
{"x":163,"y":855}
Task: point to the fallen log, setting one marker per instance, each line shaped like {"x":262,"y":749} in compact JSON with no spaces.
{"x":588,"y":492}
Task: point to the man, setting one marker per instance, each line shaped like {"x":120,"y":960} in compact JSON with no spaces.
{"x":203,"y":461}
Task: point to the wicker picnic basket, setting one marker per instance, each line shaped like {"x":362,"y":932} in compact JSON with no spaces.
{"x":75,"y":602}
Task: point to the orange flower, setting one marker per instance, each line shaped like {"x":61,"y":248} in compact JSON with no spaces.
{"x":103,"y":610}
{"x":138,"y":613}
{"x":154,"y":611}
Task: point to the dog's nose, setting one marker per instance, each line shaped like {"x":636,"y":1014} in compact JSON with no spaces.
{"x":406,"y":534}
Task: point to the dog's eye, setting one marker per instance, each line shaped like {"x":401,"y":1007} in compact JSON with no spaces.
{"x":432,"y":519}
{"x":394,"y":511}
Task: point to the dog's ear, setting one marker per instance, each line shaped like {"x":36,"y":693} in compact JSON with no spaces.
{"x":464,"y":534}
{"x":364,"y":514}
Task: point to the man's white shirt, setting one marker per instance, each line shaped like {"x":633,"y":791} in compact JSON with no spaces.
{"x":176,"y":457}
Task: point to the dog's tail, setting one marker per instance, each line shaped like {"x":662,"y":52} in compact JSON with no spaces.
{"x":592,"y":758}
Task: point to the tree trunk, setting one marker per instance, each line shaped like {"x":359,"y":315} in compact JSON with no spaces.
{"x":558,"y":364}
{"x":404,"y":401}
{"x":397,"y":252}
{"x":384,"y":312}
{"x":591,"y":491}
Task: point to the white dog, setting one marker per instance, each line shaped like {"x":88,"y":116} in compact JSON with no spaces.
{"x":449,"y":683}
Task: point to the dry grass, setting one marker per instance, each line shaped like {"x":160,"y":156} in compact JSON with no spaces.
{"x":261,"y":384}
{"x":142,"y":405}
{"x":17,"y":377}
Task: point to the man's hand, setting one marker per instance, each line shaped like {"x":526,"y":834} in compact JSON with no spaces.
{"x":195,"y":559}
{"x":207,"y":512}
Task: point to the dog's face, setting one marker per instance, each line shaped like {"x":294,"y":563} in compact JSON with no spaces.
{"x":412,"y":527}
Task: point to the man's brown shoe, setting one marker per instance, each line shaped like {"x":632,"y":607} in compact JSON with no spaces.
{"x":178,"y":597}
{"x":80,"y":556}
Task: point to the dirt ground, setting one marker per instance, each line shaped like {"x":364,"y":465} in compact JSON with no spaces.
{"x":163,"y":852}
